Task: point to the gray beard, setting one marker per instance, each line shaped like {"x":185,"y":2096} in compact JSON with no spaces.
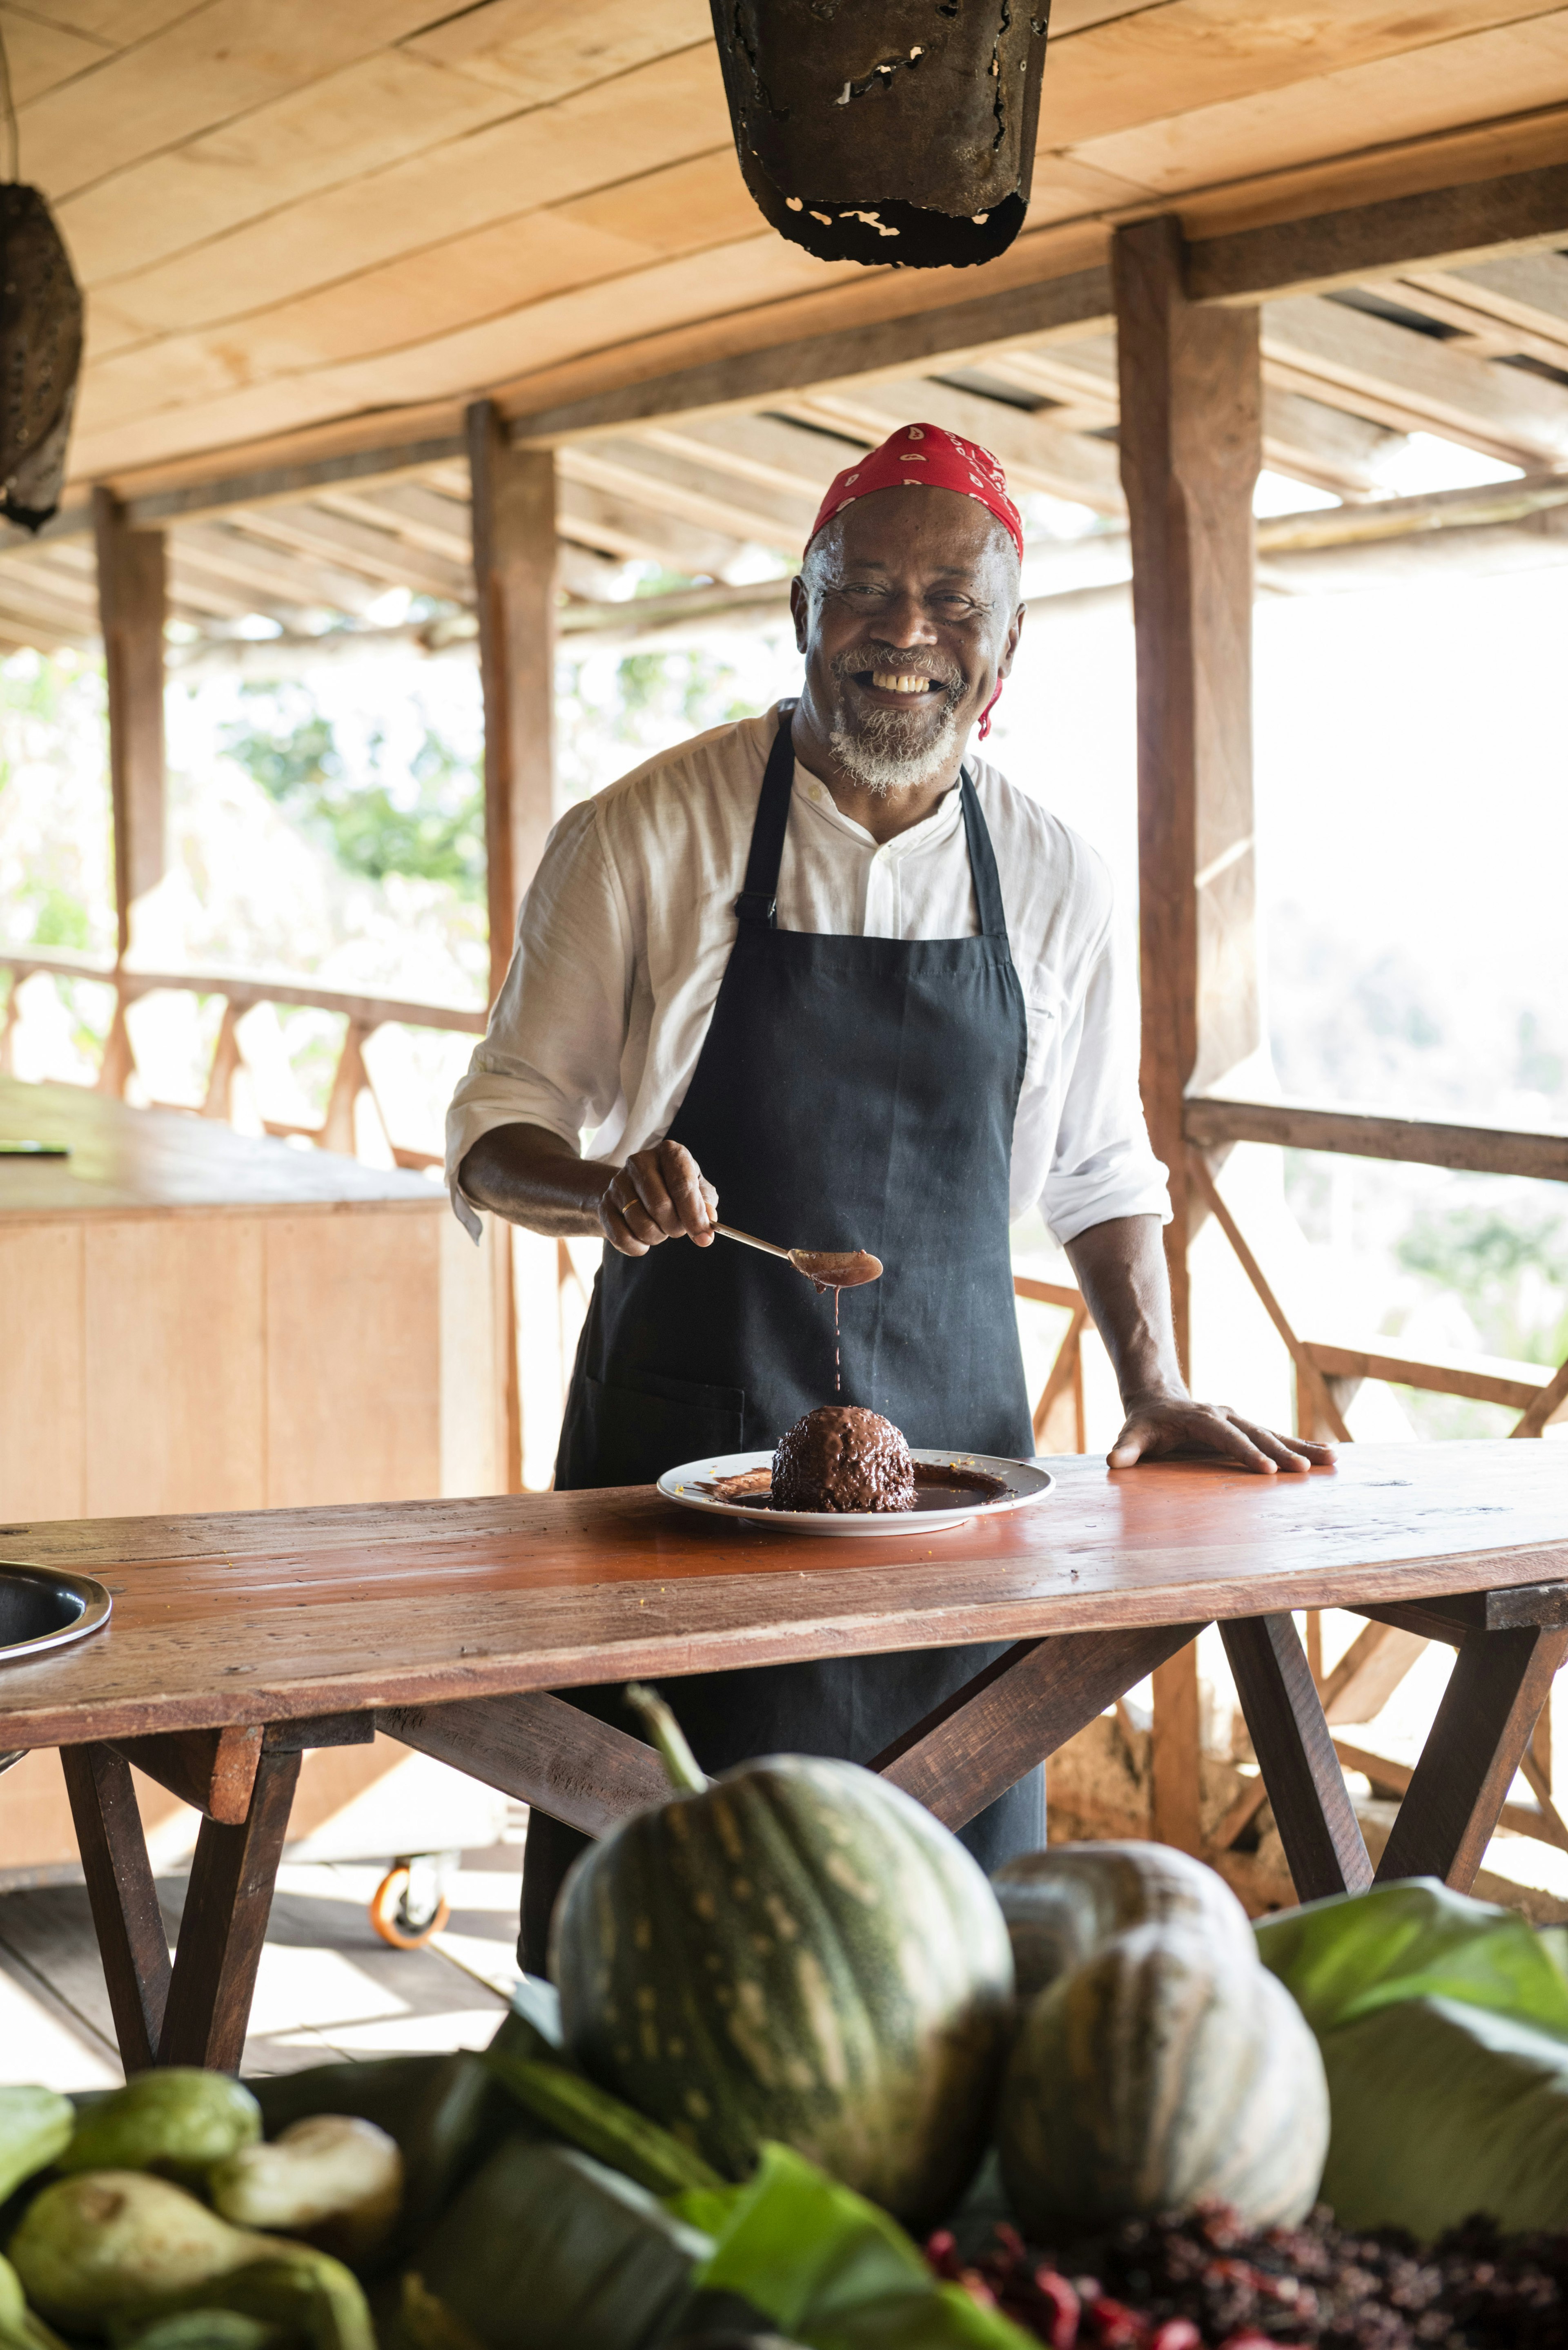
{"x":886,"y":756}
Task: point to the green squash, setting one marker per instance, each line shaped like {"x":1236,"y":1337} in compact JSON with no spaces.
{"x":797,"y":1952}
{"x":1064,"y":1904}
{"x":1162,"y":2073}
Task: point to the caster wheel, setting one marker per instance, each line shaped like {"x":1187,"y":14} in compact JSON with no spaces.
{"x":408,"y":1906}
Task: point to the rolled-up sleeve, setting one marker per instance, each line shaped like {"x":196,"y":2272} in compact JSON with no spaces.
{"x":552,"y":1054}
{"x":1102,"y":1165}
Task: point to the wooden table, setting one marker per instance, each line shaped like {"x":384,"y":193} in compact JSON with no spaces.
{"x":238,"y":1641}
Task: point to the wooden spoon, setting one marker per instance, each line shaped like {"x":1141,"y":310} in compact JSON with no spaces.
{"x":828,"y":1268}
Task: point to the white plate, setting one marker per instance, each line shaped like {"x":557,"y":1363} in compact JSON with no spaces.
{"x":1025,"y":1485}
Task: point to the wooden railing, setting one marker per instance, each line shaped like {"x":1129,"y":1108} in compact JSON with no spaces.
{"x":241,"y":992}
{"x":1327,"y":1373}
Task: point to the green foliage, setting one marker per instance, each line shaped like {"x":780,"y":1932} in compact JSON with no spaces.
{"x":1507,"y":1263}
{"x":427,"y":822}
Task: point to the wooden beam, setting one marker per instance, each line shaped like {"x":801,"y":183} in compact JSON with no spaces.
{"x":123,"y":1898}
{"x":542,"y":1750}
{"x":378,"y":552}
{"x":1211,"y":1123}
{"x":1316,"y":1819}
{"x":1191,"y":443}
{"x":1498,"y":1684}
{"x":223,"y":1925}
{"x":263,"y":484}
{"x":132,"y":603}
{"x":1015,"y":1712}
{"x":631,"y":533}
{"x":697,"y":494}
{"x":885,"y":347}
{"x":1175,"y":1754}
{"x":1413,"y":381}
{"x":1325,"y":445}
{"x":1516,"y":1386}
{"x":770,"y":451}
{"x":1393,"y":1779}
{"x":279,"y":579}
{"x":1525,"y":210}
{"x":514,"y":580}
{"x":215,"y":1770}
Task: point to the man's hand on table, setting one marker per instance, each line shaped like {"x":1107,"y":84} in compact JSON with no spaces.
{"x":1120,"y":1267}
{"x":1158,"y":1427}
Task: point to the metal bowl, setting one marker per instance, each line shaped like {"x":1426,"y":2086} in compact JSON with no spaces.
{"x":42,"y":1607}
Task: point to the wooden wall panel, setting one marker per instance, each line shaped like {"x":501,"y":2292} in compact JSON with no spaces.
{"x":353,"y":1355}
{"x":474,"y":1325}
{"x":173,"y":1384}
{"x":42,"y":1443}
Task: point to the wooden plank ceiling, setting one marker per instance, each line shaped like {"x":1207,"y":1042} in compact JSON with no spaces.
{"x":299,"y":218}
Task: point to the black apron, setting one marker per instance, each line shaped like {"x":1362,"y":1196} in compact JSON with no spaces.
{"x":851,"y":1093}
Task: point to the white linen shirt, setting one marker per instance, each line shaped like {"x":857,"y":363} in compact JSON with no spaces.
{"x":623,"y":937}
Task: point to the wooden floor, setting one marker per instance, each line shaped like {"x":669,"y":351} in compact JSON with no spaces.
{"x":329,"y":1987}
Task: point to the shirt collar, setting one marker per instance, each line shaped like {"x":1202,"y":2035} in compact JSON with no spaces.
{"x":944,"y":819}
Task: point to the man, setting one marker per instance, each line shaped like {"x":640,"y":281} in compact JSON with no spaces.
{"x":812,"y":970}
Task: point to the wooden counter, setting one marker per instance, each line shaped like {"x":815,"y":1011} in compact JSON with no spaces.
{"x":196,"y":1319}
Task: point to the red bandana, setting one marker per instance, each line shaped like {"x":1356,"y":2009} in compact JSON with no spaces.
{"x":922,"y":456}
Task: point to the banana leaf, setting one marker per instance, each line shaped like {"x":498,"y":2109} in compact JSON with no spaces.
{"x":1441,"y":2109}
{"x":1348,"y":1957}
{"x":548,"y":2249}
{"x":830,"y":2269}
{"x":600,"y":2124}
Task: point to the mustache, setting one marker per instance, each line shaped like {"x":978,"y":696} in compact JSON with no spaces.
{"x":857,"y":658}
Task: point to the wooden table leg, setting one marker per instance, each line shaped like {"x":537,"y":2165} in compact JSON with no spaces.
{"x":224,"y":1925}
{"x":1499,"y":1682}
{"x":1312,"y":1807}
{"x":1019,"y":1711}
{"x":124,"y":1900}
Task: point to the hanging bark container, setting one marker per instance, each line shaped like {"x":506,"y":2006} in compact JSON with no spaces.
{"x":40,"y":357}
{"x":887,"y":130}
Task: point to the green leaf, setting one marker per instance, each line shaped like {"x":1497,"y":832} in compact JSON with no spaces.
{"x":1442,"y":2108}
{"x":830,"y":2269}
{"x":1347,"y":1958}
{"x":601,"y":2124}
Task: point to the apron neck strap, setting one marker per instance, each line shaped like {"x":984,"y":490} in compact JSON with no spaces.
{"x":758,"y":900}
{"x":982,"y":863}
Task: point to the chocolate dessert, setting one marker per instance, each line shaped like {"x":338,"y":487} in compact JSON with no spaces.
{"x":841,"y":1457}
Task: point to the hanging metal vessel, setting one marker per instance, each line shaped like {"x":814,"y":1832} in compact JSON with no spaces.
{"x":887,"y":130}
{"x":40,"y":357}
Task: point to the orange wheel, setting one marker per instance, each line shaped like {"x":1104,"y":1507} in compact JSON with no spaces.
{"x":394,"y":1918}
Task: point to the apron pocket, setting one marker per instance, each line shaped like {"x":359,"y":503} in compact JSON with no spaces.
{"x":633,"y":1434}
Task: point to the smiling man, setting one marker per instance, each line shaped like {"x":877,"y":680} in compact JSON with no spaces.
{"x":814,"y":973}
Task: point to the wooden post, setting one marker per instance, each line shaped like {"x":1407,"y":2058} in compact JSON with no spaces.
{"x":514,"y":580}
{"x":1192,"y":405}
{"x":1191,"y":443}
{"x":131,"y":598}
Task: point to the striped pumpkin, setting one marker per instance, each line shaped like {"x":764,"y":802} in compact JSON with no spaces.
{"x":1164,"y":2073}
{"x":1064,"y":1904}
{"x":798,"y":1952}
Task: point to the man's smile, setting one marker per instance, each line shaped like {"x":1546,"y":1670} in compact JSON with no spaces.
{"x":896,"y":689}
